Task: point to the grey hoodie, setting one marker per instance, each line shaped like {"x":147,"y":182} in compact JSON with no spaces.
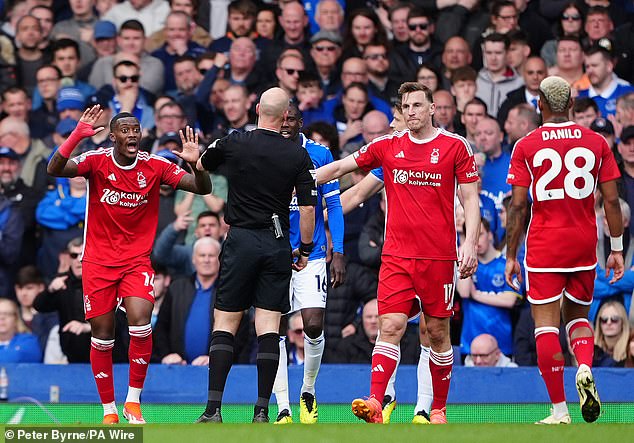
{"x":494,"y":93}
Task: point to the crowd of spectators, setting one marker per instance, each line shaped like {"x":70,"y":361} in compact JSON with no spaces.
{"x":204,"y":63}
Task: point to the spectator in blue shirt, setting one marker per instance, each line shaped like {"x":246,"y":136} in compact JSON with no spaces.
{"x":486,"y":297}
{"x":488,"y":137}
{"x":16,"y":345}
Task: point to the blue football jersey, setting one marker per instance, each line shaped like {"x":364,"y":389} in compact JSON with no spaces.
{"x":320,"y":155}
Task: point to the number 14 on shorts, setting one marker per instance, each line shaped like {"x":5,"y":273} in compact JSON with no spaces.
{"x":449,"y":295}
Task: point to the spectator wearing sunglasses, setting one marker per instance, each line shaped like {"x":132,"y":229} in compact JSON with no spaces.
{"x":290,"y":66}
{"x":325,"y":50}
{"x":421,"y":47}
{"x":127,"y":94}
{"x":611,"y":335}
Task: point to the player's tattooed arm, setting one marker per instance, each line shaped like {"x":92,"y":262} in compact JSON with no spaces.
{"x":198,"y":182}
{"x":516,"y":219}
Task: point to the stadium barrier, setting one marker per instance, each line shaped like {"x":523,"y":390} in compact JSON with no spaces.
{"x":336,"y":384}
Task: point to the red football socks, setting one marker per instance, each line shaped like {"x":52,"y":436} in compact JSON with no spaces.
{"x":583,"y":344}
{"x":139,"y":354}
{"x":550,"y":361}
{"x":385,"y":357}
{"x":101,"y":364}
{"x":440,"y":364}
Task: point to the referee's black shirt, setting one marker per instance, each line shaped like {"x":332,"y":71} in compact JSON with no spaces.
{"x":262,"y":169}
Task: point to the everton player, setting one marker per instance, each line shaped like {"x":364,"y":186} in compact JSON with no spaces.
{"x":561,"y":164}
{"x":421,"y":167}
{"x":309,"y":288}
{"x":121,"y":219}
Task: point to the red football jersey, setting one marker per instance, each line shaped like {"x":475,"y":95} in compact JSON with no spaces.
{"x":561,"y":164}
{"x":420,"y":186}
{"x":123,"y":203}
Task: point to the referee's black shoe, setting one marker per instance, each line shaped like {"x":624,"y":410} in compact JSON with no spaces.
{"x":216,"y":417}
{"x":261,"y":417}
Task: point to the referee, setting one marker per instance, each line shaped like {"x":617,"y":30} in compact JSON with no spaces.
{"x":255,"y":266}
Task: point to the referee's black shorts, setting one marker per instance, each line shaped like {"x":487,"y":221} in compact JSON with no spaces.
{"x":255,"y":270}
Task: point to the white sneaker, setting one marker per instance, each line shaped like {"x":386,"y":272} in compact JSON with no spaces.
{"x":588,"y":395}
{"x":552,"y":420}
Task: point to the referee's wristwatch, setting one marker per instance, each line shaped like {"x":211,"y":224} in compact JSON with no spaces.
{"x":305,"y":249}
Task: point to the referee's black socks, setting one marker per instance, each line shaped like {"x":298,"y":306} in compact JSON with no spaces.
{"x":220,"y":361}
{"x":267,"y":361}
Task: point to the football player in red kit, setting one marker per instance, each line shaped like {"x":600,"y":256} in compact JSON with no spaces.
{"x":561,"y":164}
{"x":121,"y":218}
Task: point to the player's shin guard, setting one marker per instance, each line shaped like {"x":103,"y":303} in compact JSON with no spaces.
{"x":550,"y":361}
{"x":440,"y":364}
{"x":385,"y":356}
{"x":280,"y":386}
{"x":313,"y":351}
{"x":267,"y":361}
{"x":583,"y":345}
{"x":423,"y":377}
{"x":220,"y":361}
{"x":101,"y":364}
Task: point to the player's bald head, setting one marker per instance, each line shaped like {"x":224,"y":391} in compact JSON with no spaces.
{"x":555,"y":93}
{"x":273,"y":104}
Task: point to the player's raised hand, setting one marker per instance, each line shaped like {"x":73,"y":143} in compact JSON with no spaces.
{"x":513,"y":273}
{"x":190,"y":151}
{"x":615,"y":263}
{"x":90,"y":117}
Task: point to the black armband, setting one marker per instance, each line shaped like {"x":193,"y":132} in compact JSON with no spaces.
{"x":305,"y":249}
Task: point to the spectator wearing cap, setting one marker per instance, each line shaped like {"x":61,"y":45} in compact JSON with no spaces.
{"x":199,"y":35}
{"x":32,"y":152}
{"x":131,"y":43}
{"x":325,"y":50}
{"x":626,"y":165}
{"x":79,"y":28}
{"x":605,"y":128}
{"x":178,"y":42}
{"x":151,"y":13}
{"x":29,"y":56}
{"x":103,"y":43}
{"x":70,"y":103}
{"x":23,"y":198}
{"x":605,"y":87}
